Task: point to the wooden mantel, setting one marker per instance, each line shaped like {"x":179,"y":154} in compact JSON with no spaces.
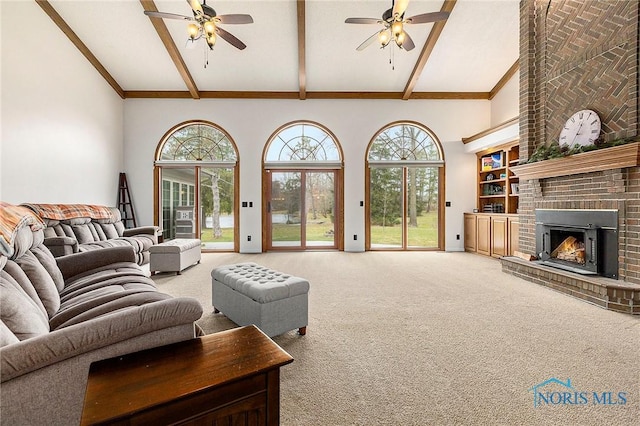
{"x":616,"y":157}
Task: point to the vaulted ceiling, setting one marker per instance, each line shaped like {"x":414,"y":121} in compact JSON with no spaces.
{"x":296,"y":49}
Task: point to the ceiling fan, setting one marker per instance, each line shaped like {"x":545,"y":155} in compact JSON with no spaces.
{"x":205,"y":23}
{"x":393,"y":21}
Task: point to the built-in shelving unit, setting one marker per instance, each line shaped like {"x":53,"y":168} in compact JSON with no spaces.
{"x":498,"y":186}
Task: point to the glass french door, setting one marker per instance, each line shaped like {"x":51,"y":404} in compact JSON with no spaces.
{"x":198,"y":202}
{"x":404,"y":208}
{"x":301,"y":210}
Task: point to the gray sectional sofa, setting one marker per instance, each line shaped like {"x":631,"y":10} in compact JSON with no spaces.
{"x":60,"y":314}
{"x":73,"y":228}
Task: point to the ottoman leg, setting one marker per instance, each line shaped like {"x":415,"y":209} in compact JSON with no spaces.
{"x":216,"y":311}
{"x":302,"y":330}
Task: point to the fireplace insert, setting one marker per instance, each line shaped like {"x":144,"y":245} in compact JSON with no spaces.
{"x":582,"y":241}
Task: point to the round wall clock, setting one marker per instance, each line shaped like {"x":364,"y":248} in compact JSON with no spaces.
{"x":582,"y":128}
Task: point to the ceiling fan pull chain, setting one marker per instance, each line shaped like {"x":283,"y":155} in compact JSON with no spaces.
{"x":392,"y":59}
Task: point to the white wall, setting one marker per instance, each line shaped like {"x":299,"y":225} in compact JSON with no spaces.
{"x":354,"y":122}
{"x":61,"y":122}
{"x":506,"y":104}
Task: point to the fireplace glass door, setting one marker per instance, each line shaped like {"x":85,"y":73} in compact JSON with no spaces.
{"x":574,"y":248}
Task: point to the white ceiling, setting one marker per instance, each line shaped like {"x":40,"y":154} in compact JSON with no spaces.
{"x":478,"y":45}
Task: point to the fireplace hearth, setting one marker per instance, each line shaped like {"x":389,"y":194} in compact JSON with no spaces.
{"x":581,"y":241}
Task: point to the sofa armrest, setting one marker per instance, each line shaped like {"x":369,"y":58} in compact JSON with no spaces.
{"x":61,"y":246}
{"x":77,"y":263}
{"x":149,"y":230}
{"x":32,"y":354}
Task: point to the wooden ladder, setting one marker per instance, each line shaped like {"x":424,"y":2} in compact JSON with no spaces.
{"x":124,"y":203}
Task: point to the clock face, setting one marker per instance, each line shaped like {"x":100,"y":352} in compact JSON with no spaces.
{"x":582,"y":128}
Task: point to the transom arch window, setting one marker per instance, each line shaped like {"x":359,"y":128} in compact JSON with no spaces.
{"x":406,"y":142}
{"x":302,"y":171}
{"x":197,"y":141}
{"x":303,"y":142}
{"x":405,"y":177}
{"x":197,"y":185}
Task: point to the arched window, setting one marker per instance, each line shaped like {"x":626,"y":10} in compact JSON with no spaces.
{"x":197,"y":185}
{"x":303,"y":188}
{"x":303,"y":143}
{"x":405,"y":168}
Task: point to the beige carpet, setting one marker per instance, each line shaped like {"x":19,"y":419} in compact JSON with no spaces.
{"x":431,"y":338}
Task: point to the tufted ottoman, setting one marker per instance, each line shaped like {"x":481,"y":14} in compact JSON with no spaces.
{"x":174,"y":255}
{"x":248,"y":293}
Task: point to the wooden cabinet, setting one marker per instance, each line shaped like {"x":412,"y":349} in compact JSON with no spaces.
{"x":491,"y":234}
{"x":483,"y":228}
{"x":498,"y":186}
{"x":514,"y":234}
{"x":499,"y":240}
{"x":231,"y":377}
{"x":470,"y":233}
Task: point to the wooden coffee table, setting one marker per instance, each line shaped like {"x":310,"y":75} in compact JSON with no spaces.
{"x":231,"y":377}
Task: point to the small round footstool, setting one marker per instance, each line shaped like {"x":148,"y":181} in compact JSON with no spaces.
{"x":248,"y":293}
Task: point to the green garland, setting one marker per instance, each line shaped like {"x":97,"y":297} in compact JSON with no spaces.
{"x":555,"y":150}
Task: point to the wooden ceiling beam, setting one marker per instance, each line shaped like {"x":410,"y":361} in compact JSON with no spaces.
{"x":434,"y":35}
{"x":141,"y":94}
{"x":505,"y":79}
{"x":302,"y":47}
{"x":73,"y":37}
{"x":170,"y":45}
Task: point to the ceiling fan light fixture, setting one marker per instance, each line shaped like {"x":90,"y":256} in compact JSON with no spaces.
{"x":400,"y":39}
{"x":384,"y":37}
{"x":211,"y":39}
{"x":396,"y":28}
{"x":210,"y":28}
{"x":193,"y":31}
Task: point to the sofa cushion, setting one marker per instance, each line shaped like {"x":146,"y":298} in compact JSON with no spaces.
{"x":104,"y":301}
{"x":15,"y":275}
{"x":19,"y":312}
{"x":41,"y":281}
{"x":6,"y":336}
{"x":82,"y":231}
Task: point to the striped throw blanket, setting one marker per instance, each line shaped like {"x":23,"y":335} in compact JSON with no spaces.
{"x":71,"y":211}
{"x":12,"y":218}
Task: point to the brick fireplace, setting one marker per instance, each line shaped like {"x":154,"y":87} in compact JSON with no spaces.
{"x":578,"y":55}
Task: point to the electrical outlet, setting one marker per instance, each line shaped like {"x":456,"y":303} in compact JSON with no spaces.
{"x":248,"y":237}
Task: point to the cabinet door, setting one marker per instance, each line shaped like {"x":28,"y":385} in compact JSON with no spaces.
{"x":514,"y":235}
{"x":470,"y":233}
{"x":483,"y":243}
{"x":498,"y":236}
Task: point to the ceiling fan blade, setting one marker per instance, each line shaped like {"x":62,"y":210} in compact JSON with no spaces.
{"x":362,"y":21}
{"x":230,"y":38}
{"x":408,"y":43}
{"x":167,"y":15}
{"x":237,"y":18}
{"x":368,"y":42}
{"x":427,"y":17}
{"x":399,"y":7}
